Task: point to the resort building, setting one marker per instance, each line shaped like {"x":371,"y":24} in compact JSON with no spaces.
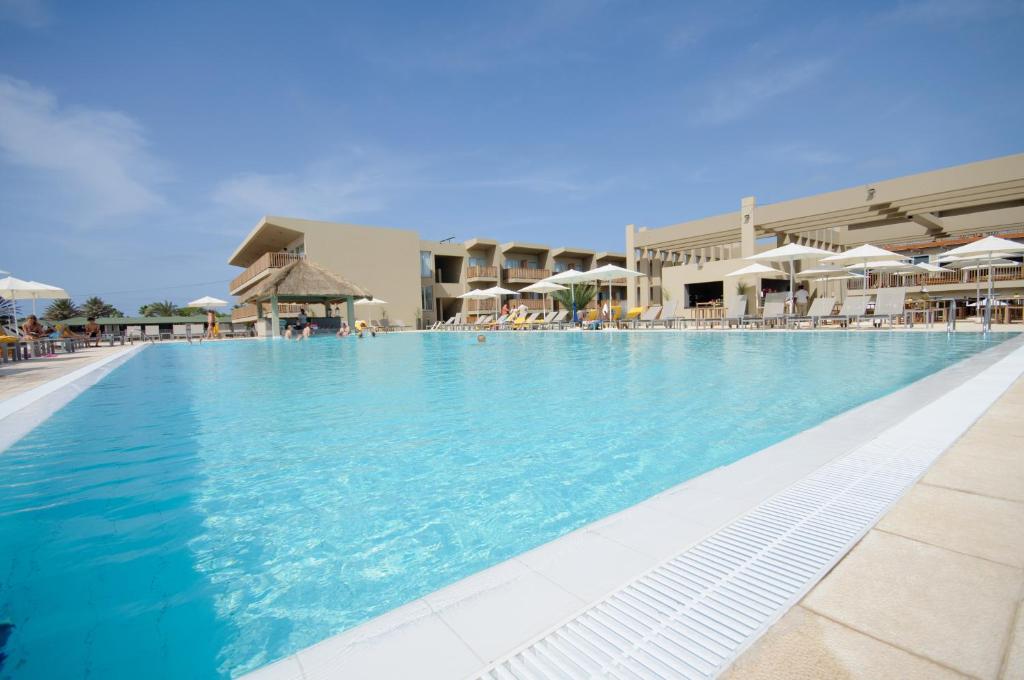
{"x":916,"y":216}
{"x":419,"y":280}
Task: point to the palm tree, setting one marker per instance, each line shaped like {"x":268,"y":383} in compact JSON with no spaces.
{"x":581,"y":292}
{"x":60,"y":310}
{"x":96,"y":307}
{"x":165,"y":308}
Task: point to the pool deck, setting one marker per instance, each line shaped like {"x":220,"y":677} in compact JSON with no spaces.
{"x":20,"y":376}
{"x":934,"y":590}
{"x":517,"y":616}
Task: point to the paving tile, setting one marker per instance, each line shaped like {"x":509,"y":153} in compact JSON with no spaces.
{"x":495,"y":621}
{"x":935,"y":603}
{"x":1014,"y":665}
{"x":965,"y":522}
{"x":587,"y":564}
{"x":425,"y":648}
{"x":805,"y":646}
{"x":993,"y":472}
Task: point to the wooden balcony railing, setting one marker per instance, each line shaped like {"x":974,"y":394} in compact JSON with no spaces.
{"x":482,"y":273}
{"x":265,"y":262}
{"x":248,"y":312}
{"x":523,"y":274}
{"x":953,"y":276}
{"x":531,"y":304}
{"x":485,"y":306}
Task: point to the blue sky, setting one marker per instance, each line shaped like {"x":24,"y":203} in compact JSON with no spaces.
{"x":140,"y":141}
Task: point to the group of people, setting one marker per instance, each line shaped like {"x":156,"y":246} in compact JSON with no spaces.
{"x":33,"y":329}
{"x":303,"y":329}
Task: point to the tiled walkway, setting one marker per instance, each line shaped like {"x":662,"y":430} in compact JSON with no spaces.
{"x":935,"y":589}
{"x":19,"y":376}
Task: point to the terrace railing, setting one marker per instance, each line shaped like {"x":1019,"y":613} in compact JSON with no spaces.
{"x":482,"y":273}
{"x":522,"y":274}
{"x":247,"y":312}
{"x":953,"y":276}
{"x":259,"y":269}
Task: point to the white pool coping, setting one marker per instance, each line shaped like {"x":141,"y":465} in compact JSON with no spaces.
{"x":23,"y":412}
{"x":477,"y":623}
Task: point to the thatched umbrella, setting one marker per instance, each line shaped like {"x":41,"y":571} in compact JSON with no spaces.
{"x":303,"y":281}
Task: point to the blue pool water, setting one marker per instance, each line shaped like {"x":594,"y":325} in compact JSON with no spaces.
{"x":206,"y":509}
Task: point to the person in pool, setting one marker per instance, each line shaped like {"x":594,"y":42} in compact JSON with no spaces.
{"x":344,"y":331}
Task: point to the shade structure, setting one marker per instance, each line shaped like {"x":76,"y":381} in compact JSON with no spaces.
{"x":609,"y":273}
{"x":569,"y":276}
{"x":820,"y":272}
{"x":496,"y":292}
{"x":16,"y":289}
{"x":987,"y":247}
{"x":544,"y":287}
{"x":304,"y":281}
{"x":883,"y":265}
{"x":994,"y":262}
{"x":863,"y":254}
{"x":755,"y":269}
{"x":370,"y":301}
{"x":930,"y":268}
{"x":792,"y":253}
{"x":207,"y":301}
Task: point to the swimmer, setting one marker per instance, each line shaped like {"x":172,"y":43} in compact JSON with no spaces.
{"x":481,"y":338}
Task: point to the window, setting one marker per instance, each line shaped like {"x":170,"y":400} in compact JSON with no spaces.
{"x":428,"y":297}
{"x":426,"y":264}
{"x":477,"y":262}
{"x":560,"y":267}
{"x":532,"y":264}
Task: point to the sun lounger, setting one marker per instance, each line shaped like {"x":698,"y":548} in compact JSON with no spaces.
{"x":648,"y":316}
{"x":735,"y":313}
{"x":820,"y":309}
{"x":631,"y":318}
{"x":178,"y":330}
{"x":151,"y":333}
{"x":545,"y":321}
{"x":774,"y":311}
{"x":854,"y":308}
{"x":890,"y":304}
{"x":134,"y":333}
{"x":559,"y":319}
{"x":668,"y":316}
{"x":196,"y":330}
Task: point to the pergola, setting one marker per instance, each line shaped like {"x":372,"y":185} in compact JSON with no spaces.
{"x":304,"y":282}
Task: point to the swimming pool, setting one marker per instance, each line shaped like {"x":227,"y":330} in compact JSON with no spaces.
{"x":206,"y":509}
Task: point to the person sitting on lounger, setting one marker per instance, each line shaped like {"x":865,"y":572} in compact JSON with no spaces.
{"x":92,"y":331}
{"x":32,"y":329}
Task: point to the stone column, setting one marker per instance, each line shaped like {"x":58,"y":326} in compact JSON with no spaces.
{"x":747,"y":234}
{"x":275,"y":318}
{"x":631,"y":263}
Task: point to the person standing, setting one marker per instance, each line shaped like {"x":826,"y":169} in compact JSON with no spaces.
{"x":211,"y":325}
{"x":801,"y":300}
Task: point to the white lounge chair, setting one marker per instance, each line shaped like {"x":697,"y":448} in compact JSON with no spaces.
{"x":735,"y":312}
{"x":179,"y":330}
{"x":890,"y":304}
{"x":821,"y":308}
{"x":668,"y":316}
{"x":151,"y":333}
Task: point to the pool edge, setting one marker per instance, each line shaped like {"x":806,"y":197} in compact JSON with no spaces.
{"x":22,"y":413}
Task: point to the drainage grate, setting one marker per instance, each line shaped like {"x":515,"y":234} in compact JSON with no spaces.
{"x":691,"y":616}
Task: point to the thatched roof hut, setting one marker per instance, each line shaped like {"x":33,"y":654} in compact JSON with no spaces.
{"x":304,"y":281}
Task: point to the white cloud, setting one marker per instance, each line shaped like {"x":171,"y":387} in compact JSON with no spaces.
{"x":28,"y":13}
{"x":92,"y":165}
{"x":329,"y":189}
{"x":737,"y":98}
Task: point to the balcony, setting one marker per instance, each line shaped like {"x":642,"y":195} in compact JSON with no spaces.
{"x":531,"y":304}
{"x":247,"y":313}
{"x":481,"y":274}
{"x":479,"y":306}
{"x":523,"y":275}
{"x":260,"y":269}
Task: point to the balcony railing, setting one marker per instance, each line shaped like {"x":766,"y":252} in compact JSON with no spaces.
{"x":482,"y":273}
{"x":519,"y":274}
{"x":248,"y":312}
{"x":531,"y":304}
{"x":259,"y":268}
{"x":954,"y":276}
{"x":486,"y":306}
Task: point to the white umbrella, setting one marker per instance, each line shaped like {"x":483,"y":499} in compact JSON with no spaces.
{"x":790,"y":252}
{"x":987,"y":247}
{"x":824,"y":273}
{"x":206,"y":302}
{"x":863,"y":254}
{"x":609,"y":273}
{"x":13,"y":288}
{"x":755,"y":269}
{"x":496,"y":292}
{"x":569,"y":276}
{"x":366,"y":301}
{"x":544,"y":287}
{"x":930,"y":268}
{"x":44,"y":291}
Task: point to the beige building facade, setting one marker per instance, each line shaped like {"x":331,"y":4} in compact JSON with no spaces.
{"x":917,"y":216}
{"x":420,"y":280}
